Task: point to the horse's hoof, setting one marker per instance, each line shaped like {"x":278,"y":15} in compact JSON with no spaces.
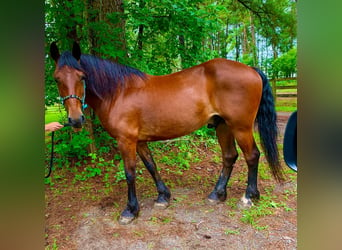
{"x":216,"y":198}
{"x":161,"y":205}
{"x":245,"y":203}
{"x":212,"y":201}
{"x":125,"y":220}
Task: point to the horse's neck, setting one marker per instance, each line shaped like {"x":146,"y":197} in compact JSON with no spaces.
{"x":99,"y":106}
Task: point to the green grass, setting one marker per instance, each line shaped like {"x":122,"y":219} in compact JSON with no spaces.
{"x":287,"y":83}
{"x":228,"y":231}
{"x":54,"y":246}
{"x":286,"y":104}
{"x":55,"y":113}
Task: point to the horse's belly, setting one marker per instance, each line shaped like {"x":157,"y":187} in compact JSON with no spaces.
{"x":172,"y":125}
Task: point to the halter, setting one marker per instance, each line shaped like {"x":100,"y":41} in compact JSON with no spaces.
{"x":82,"y":100}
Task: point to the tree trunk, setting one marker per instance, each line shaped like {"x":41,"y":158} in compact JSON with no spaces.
{"x":254,"y":43}
{"x":89,"y":127}
{"x":237,"y":45}
{"x":140,"y":33}
{"x":223,"y":51}
{"x":182,"y":49}
{"x":103,"y":12}
{"x":245,"y":49}
{"x":71,"y":28}
{"x":140,"y":37}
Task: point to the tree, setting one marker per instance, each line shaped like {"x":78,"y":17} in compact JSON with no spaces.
{"x":277,"y":22}
{"x":285,"y":65}
{"x":106,"y":28}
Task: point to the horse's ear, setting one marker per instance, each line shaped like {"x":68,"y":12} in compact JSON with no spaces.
{"x":76,"y":51}
{"x":54,"y":52}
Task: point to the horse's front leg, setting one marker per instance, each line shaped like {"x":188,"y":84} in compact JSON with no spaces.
{"x":128,"y":152}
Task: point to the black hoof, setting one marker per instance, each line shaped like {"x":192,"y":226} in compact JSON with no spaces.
{"x":216,"y":197}
{"x":127,"y":217}
{"x":252,"y":194}
{"x":163,"y":201}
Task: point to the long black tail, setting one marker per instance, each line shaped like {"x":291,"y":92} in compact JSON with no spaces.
{"x":268,"y":130}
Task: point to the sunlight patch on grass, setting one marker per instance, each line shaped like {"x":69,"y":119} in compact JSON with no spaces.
{"x":55,"y":113}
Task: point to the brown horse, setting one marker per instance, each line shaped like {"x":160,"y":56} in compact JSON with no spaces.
{"x":136,"y":108}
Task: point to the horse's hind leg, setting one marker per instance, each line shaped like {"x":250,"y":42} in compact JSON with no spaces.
{"x":250,"y":150}
{"x":163,"y":192}
{"x":229,"y":156}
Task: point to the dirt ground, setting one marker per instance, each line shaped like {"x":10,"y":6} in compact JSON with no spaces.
{"x":84,"y":215}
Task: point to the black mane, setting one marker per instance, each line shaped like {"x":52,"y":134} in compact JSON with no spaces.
{"x":103,"y":77}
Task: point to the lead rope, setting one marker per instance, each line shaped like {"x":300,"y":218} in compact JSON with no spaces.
{"x":51,"y":157}
{"x":52,"y":153}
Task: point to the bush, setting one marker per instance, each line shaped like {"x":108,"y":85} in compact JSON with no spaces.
{"x":70,"y":145}
{"x":285,"y":65}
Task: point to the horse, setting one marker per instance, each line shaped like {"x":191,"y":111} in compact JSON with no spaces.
{"x":136,"y":108}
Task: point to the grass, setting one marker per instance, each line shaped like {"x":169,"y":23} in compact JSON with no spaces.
{"x":55,"y":113}
{"x":54,"y":246}
{"x":228,"y":232}
{"x":287,"y":83}
{"x":286,"y":104}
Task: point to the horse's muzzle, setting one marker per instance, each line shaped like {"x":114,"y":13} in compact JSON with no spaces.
{"x":76,"y":123}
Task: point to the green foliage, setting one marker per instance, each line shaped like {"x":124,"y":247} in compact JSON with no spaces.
{"x":248,"y":59}
{"x":180,"y":153}
{"x":103,"y":141}
{"x":87,"y":173}
{"x":285,"y":65}
{"x":71,"y":145}
{"x":120,"y":174}
{"x":178,"y":27}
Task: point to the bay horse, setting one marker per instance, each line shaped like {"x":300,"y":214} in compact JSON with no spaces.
{"x":135,"y":108}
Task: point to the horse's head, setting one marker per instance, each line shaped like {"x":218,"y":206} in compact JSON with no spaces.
{"x":70,"y":82}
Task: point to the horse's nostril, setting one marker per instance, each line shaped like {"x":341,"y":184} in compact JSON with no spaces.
{"x":82,"y":119}
{"x":69,"y":120}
